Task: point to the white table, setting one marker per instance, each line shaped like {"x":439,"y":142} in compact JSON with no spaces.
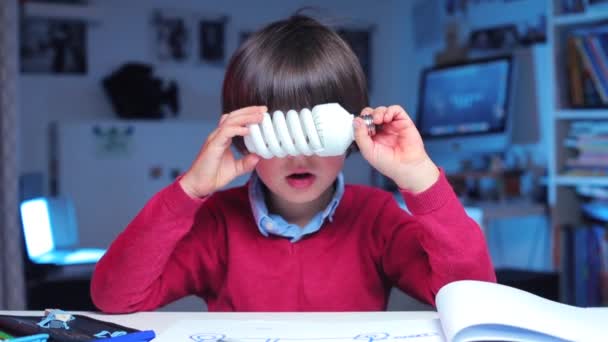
{"x":160,"y":321}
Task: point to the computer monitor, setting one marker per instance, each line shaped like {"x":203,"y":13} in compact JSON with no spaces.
{"x":463,"y":110}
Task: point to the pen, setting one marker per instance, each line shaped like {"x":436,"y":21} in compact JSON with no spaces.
{"x":139,"y":336}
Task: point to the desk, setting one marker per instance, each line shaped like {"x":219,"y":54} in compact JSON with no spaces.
{"x":160,"y":321}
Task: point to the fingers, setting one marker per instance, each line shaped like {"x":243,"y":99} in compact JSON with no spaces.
{"x":396,"y":112}
{"x":226,"y":133}
{"x":382,"y":114}
{"x":247,"y":163}
{"x":244,"y":116}
{"x":362,"y":138}
{"x":223,"y":118}
{"x":392,"y":112}
{"x":248,"y":110}
{"x":367,"y":111}
{"x":236,"y":124}
{"x":392,"y":119}
{"x":378,"y":115}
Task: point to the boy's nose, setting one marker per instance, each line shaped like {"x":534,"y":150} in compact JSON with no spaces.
{"x":299,"y":159}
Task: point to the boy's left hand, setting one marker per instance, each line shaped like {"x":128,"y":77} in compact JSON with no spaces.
{"x":396,"y":150}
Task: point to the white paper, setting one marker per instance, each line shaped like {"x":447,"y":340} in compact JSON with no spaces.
{"x":478,"y":311}
{"x":302,"y":331}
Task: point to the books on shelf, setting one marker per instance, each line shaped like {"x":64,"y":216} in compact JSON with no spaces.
{"x":587,"y":65}
{"x":586,"y":272}
{"x":588,"y":143}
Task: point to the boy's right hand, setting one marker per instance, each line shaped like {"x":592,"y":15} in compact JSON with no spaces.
{"x":216,"y":165}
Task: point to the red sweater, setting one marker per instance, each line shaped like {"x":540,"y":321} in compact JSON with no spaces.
{"x":178,"y":246}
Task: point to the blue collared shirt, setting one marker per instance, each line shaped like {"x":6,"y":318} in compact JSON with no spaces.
{"x":275,"y":224}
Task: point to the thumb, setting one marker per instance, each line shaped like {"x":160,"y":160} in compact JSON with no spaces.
{"x":247,"y":163}
{"x":364,"y":141}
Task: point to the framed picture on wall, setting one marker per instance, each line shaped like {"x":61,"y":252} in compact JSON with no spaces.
{"x":211,"y":40}
{"x":172,"y":36}
{"x":53,"y":46}
{"x":360,"y":42}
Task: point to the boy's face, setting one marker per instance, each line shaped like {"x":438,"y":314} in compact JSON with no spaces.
{"x":300,"y":179}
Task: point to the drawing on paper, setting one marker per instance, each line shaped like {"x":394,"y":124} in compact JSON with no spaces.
{"x":369,"y":337}
{"x":213,"y":330}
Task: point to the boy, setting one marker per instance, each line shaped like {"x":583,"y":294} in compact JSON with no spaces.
{"x":295,"y":238}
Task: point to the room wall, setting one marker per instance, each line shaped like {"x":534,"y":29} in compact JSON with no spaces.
{"x":119,"y":32}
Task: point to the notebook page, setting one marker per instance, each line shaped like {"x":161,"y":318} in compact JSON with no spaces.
{"x":468,"y":303}
{"x":218,"y":330}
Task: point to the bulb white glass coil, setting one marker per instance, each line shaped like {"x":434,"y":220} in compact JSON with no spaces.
{"x":326,"y":130}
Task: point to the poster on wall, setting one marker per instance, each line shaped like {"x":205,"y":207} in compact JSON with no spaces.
{"x":211,"y":38}
{"x":172,"y":33}
{"x":53,"y":46}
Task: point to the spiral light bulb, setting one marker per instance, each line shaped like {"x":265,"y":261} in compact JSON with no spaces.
{"x":327,"y":130}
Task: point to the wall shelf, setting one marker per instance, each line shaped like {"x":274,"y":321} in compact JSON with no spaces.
{"x":584,"y":18}
{"x":564,"y":180}
{"x":581,"y":114}
{"x":565,"y":34}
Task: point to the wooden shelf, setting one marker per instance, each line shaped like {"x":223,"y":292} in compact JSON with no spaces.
{"x":585,"y":18}
{"x":581,"y":114}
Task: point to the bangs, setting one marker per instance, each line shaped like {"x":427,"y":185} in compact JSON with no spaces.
{"x":294,"y":64}
{"x":296,"y":69}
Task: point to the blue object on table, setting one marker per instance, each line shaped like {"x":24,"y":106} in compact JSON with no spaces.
{"x":597,"y":210}
{"x":32,"y":338}
{"x":107,"y":334}
{"x":140,"y":336}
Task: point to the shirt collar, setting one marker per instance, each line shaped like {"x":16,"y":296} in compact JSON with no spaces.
{"x":260,"y":210}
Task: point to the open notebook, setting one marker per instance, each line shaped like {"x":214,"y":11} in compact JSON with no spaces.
{"x":51,"y":234}
{"x":468,"y":311}
{"x":480,"y":311}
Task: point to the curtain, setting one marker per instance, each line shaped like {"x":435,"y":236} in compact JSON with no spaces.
{"x":12,"y":290}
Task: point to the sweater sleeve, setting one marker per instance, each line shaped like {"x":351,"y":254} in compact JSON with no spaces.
{"x":160,"y":256}
{"x":433,"y":245}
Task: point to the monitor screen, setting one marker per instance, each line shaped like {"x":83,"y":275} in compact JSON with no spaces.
{"x":465,"y":99}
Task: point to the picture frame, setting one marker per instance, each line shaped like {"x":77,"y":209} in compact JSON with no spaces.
{"x":172,"y":36}
{"x":211,"y":40}
{"x":53,"y":46}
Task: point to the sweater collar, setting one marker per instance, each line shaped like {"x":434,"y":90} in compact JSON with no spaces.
{"x":274,"y":224}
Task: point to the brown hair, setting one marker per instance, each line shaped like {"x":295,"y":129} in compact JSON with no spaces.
{"x":293,"y":64}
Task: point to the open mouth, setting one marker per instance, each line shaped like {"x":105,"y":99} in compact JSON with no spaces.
{"x":300,"y":180}
{"x":300,"y":175}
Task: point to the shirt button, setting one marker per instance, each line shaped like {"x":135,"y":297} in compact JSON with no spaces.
{"x":268,"y":225}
